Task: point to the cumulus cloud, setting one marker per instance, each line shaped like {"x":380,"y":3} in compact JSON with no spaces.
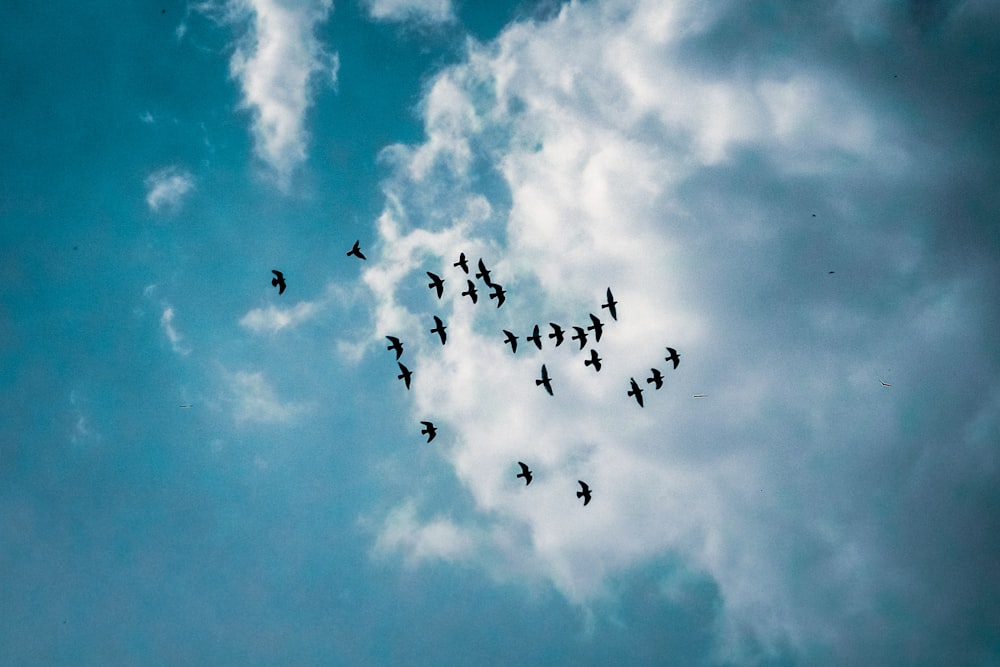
{"x":273,"y":319}
{"x":422,"y":11}
{"x":769,"y":218}
{"x":166,"y":188}
{"x":255,"y":400}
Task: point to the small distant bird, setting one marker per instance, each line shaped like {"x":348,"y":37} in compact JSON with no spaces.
{"x":636,"y":391}
{"x":580,"y":336}
{"x":699,"y":396}
{"x":186,"y":405}
{"x":584,"y":492}
{"x":512,"y":339}
{"x":436,"y":283}
{"x":884,"y":383}
{"x":429,"y":430}
{"x":484,"y":273}
{"x":656,"y":378}
{"x":545,"y":381}
{"x":472,"y":292}
{"x":596,"y":327}
{"x":830,"y":273}
{"x":525,"y":473}
{"x":557,"y":333}
{"x":535,"y":338}
{"x":404,"y":374}
{"x":594,"y":360}
{"x":278,"y":280}
{"x":396,"y":346}
{"x":673,"y":356}
{"x":611,"y":305}
{"x":462,"y":263}
{"x":439,"y":328}
{"x":498,"y":294}
{"x":356,"y":251}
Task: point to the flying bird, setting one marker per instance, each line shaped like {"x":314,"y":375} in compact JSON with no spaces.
{"x":584,"y":492}
{"x":404,"y":374}
{"x":656,"y":378}
{"x":611,"y":305}
{"x":439,"y":328}
{"x":472,"y":292}
{"x":525,"y":473}
{"x":635,"y":391}
{"x":429,"y":430}
{"x":699,"y":395}
{"x":594,"y":360}
{"x":462,"y":263}
{"x":535,"y":338}
{"x":356,"y":251}
{"x":484,"y":273}
{"x":512,"y":339}
{"x":396,"y":346}
{"x":596,"y":327}
{"x":557,"y":333}
{"x":498,"y":294}
{"x":186,"y":405}
{"x":580,"y":336}
{"x":545,"y":381}
{"x":436,"y":283}
{"x":674,"y":356}
{"x":885,"y":384}
{"x":278,"y":280}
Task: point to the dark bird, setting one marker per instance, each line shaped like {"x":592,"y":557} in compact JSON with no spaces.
{"x":535,"y":338}
{"x":484,"y":273}
{"x":611,"y":305}
{"x":404,"y":374}
{"x":436,"y":283}
{"x":525,"y":473}
{"x":584,"y":492}
{"x":278,"y":280}
{"x":186,"y":405}
{"x":472,"y":292}
{"x":545,"y":381}
{"x":557,"y":333}
{"x":884,"y":383}
{"x":699,"y":395}
{"x":596,"y":327}
{"x":498,"y":294}
{"x":674,"y":356}
{"x":396,"y":346}
{"x":580,"y":336}
{"x":429,"y":430}
{"x":636,"y":391}
{"x":656,"y":378}
{"x":594,"y":360}
{"x":356,"y":251}
{"x":439,"y":328}
{"x":512,"y":339}
{"x":462,"y":263}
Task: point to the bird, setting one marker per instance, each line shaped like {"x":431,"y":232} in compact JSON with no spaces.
{"x":525,"y":473}
{"x":484,"y":273}
{"x":462,"y":263}
{"x":885,"y":384}
{"x":594,"y":360}
{"x":436,"y":283}
{"x":278,"y":280}
{"x":580,"y":336}
{"x":429,"y":430}
{"x":512,"y":339}
{"x":557,"y":333}
{"x":186,"y":405}
{"x":611,"y":305}
{"x":656,"y":378}
{"x":396,"y":346}
{"x":356,"y":251}
{"x":674,"y":356}
{"x":699,"y":396}
{"x":439,"y":328}
{"x":404,"y":374}
{"x":472,"y":292}
{"x":596,"y":327}
{"x":535,"y":338}
{"x":545,"y":381}
{"x":498,"y":294}
{"x":584,"y":492}
{"x":636,"y":391}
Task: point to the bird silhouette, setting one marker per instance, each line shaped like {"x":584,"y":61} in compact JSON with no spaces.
{"x":404,"y":374}
{"x":512,"y":339}
{"x":884,"y":383}
{"x":584,"y":492}
{"x":439,"y":328}
{"x":580,"y":336}
{"x":545,"y":381}
{"x":557,"y":333}
{"x":656,"y":378}
{"x":636,"y":391}
{"x":596,"y":327}
{"x":498,"y":294}
{"x":472,"y":292}
{"x":611,"y":305}
{"x":429,"y":430}
{"x":356,"y":251}
{"x":186,"y":405}
{"x":462,"y":263}
{"x":396,"y":346}
{"x":674,"y":356}
{"x":525,"y":473}
{"x":484,"y":273}
{"x":594,"y":360}
{"x":278,"y":280}
{"x":535,"y":338}
{"x":436,"y":283}
{"x":699,"y":395}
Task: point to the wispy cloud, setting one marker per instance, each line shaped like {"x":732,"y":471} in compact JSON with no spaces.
{"x":421,"y":11}
{"x":272,"y":318}
{"x":175,"y":338}
{"x":166,"y":188}
{"x":255,"y":400}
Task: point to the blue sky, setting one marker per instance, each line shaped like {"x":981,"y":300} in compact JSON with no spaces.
{"x":798,"y":197}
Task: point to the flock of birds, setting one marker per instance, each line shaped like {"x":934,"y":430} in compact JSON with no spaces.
{"x":557,"y":334}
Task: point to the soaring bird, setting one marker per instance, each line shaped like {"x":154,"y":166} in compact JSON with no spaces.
{"x":512,"y":339}
{"x":636,"y":391}
{"x":498,"y":294}
{"x":429,"y":430}
{"x":484,"y":273}
{"x":594,"y":360}
{"x":356,"y":251}
{"x":462,"y":263}
{"x":674,"y":356}
{"x":596,"y":327}
{"x":611,"y":305}
{"x":884,"y":383}
{"x":545,"y":381}
{"x":580,"y":336}
{"x":472,"y":292}
{"x":436,"y":283}
{"x":584,"y":492}
{"x":396,"y":346}
{"x":557,"y":333}
{"x":525,"y":473}
{"x":186,"y":405}
{"x":656,"y":378}
{"x":439,"y":328}
{"x":404,"y":374}
{"x":278,"y":280}
{"x":535,"y":338}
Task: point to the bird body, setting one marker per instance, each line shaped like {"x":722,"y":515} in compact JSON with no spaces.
{"x":597,"y":327}
{"x":535,"y":338}
{"x":436,"y":284}
{"x":656,"y":378}
{"x":278,"y":280}
{"x":472,"y":292}
{"x":545,"y":380}
{"x":429,"y":430}
{"x":498,"y":293}
{"x":580,"y":336}
{"x":594,"y":360}
{"x":439,"y":328}
{"x":484,"y":273}
{"x":512,"y":339}
{"x":674,"y":356}
{"x":356,"y":251}
{"x":636,"y":391}
{"x":395,"y":346}
{"x":584,"y":492}
{"x":404,"y":374}
{"x":557,"y":333}
{"x":525,"y":473}
{"x":462,"y":263}
{"x":611,"y":305}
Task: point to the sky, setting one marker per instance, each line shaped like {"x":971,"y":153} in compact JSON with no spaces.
{"x":799,"y":198}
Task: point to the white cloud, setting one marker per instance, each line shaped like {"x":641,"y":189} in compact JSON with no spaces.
{"x":255,"y":400}
{"x":166,"y":188}
{"x":424,"y":11}
{"x":273,"y":319}
{"x":175,"y":338}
